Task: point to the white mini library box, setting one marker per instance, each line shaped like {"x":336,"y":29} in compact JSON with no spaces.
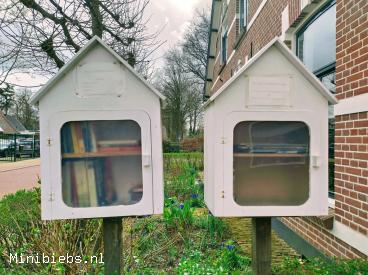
{"x":266,"y":139}
{"x":101,"y":148}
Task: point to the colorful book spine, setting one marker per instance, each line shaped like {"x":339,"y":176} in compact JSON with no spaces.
{"x":73,"y":128}
{"x":74,"y":189}
{"x":86,"y":136}
{"x":93,"y":140}
{"x":130,"y":149}
{"x":92,"y":188}
{"x":100,"y":182}
{"x":67,"y":183}
{"x":64,"y":145}
{"x":82,"y":183}
{"x":81,"y":145}
{"x":66,"y":139}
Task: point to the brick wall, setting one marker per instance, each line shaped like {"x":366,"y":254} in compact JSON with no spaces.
{"x":351,"y":48}
{"x":294,"y":10}
{"x":351,"y":171}
{"x":351,"y":164}
{"x":351,"y":138}
{"x":256,"y":38}
{"x":351,"y":174}
{"x":253,"y":5}
{"x":322,"y":239}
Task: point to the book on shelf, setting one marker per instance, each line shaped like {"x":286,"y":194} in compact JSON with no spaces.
{"x":81,"y":182}
{"x":92,"y":184}
{"x":67,"y":142}
{"x":67,"y":184}
{"x":73,"y":133}
{"x":118,"y":143}
{"x":135,"y":149}
{"x":88,"y":183}
{"x":86,"y":136}
{"x":92,"y":137}
{"x":74,"y":186}
{"x":99,"y":179}
{"x":80,"y":137}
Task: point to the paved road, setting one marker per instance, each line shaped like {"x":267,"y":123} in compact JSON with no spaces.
{"x":18,"y":178}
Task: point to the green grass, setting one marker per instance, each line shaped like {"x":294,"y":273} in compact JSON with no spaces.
{"x":184,"y":240}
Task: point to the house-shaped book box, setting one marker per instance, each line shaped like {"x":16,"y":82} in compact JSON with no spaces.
{"x":101,"y":149}
{"x":266,"y":139}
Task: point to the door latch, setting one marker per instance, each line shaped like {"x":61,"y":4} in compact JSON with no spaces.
{"x":146,"y":160}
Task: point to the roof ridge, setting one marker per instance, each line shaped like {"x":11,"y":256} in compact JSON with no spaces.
{"x":76,"y":58}
{"x":288,"y":54}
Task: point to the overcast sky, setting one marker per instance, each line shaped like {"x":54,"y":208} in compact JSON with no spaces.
{"x":172,"y":16}
{"x":175,"y":15}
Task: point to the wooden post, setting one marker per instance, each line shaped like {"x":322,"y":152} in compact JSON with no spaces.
{"x":112,"y":231}
{"x":261,"y":245}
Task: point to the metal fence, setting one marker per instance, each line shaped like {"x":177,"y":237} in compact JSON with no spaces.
{"x":15,"y":147}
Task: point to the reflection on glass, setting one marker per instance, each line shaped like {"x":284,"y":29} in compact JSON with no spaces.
{"x":101,"y":163}
{"x":329,"y":81}
{"x":317,"y":44}
{"x":271,"y":163}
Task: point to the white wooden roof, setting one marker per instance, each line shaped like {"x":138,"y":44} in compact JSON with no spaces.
{"x":292,"y":58}
{"x":77,"y":58}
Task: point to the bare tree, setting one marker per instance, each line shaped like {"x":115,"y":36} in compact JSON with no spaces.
{"x":195,"y":46}
{"x":24,"y":111}
{"x":183,"y":98}
{"x":39,"y":36}
{"x":182,"y":80}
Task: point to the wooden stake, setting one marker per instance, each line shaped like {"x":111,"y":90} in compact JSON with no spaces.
{"x":261,"y":246}
{"x":112,"y":231}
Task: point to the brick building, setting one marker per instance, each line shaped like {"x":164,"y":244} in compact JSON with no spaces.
{"x":331,"y":38}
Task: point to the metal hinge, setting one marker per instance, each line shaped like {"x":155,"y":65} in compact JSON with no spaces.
{"x":52,"y":197}
{"x":222,"y":194}
{"x":49,"y":142}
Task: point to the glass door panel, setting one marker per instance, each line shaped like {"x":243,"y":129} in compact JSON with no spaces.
{"x":101,"y":163}
{"x":271,"y":163}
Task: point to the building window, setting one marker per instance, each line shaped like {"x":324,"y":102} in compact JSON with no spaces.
{"x":224,"y":34}
{"x":241,"y":22}
{"x":316,"y":48}
{"x":316,"y":42}
{"x":224,"y":46}
{"x":243,"y":12}
{"x":223,"y":10}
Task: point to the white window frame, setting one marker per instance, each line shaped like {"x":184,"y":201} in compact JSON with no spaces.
{"x":243,"y":12}
{"x":53,"y":206}
{"x":317,"y":191}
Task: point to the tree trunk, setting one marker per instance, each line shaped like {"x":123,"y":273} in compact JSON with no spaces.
{"x":195,"y":122}
{"x":190,"y":124}
{"x":97,"y":24}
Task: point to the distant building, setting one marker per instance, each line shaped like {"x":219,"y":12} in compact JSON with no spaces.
{"x":11,"y":125}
